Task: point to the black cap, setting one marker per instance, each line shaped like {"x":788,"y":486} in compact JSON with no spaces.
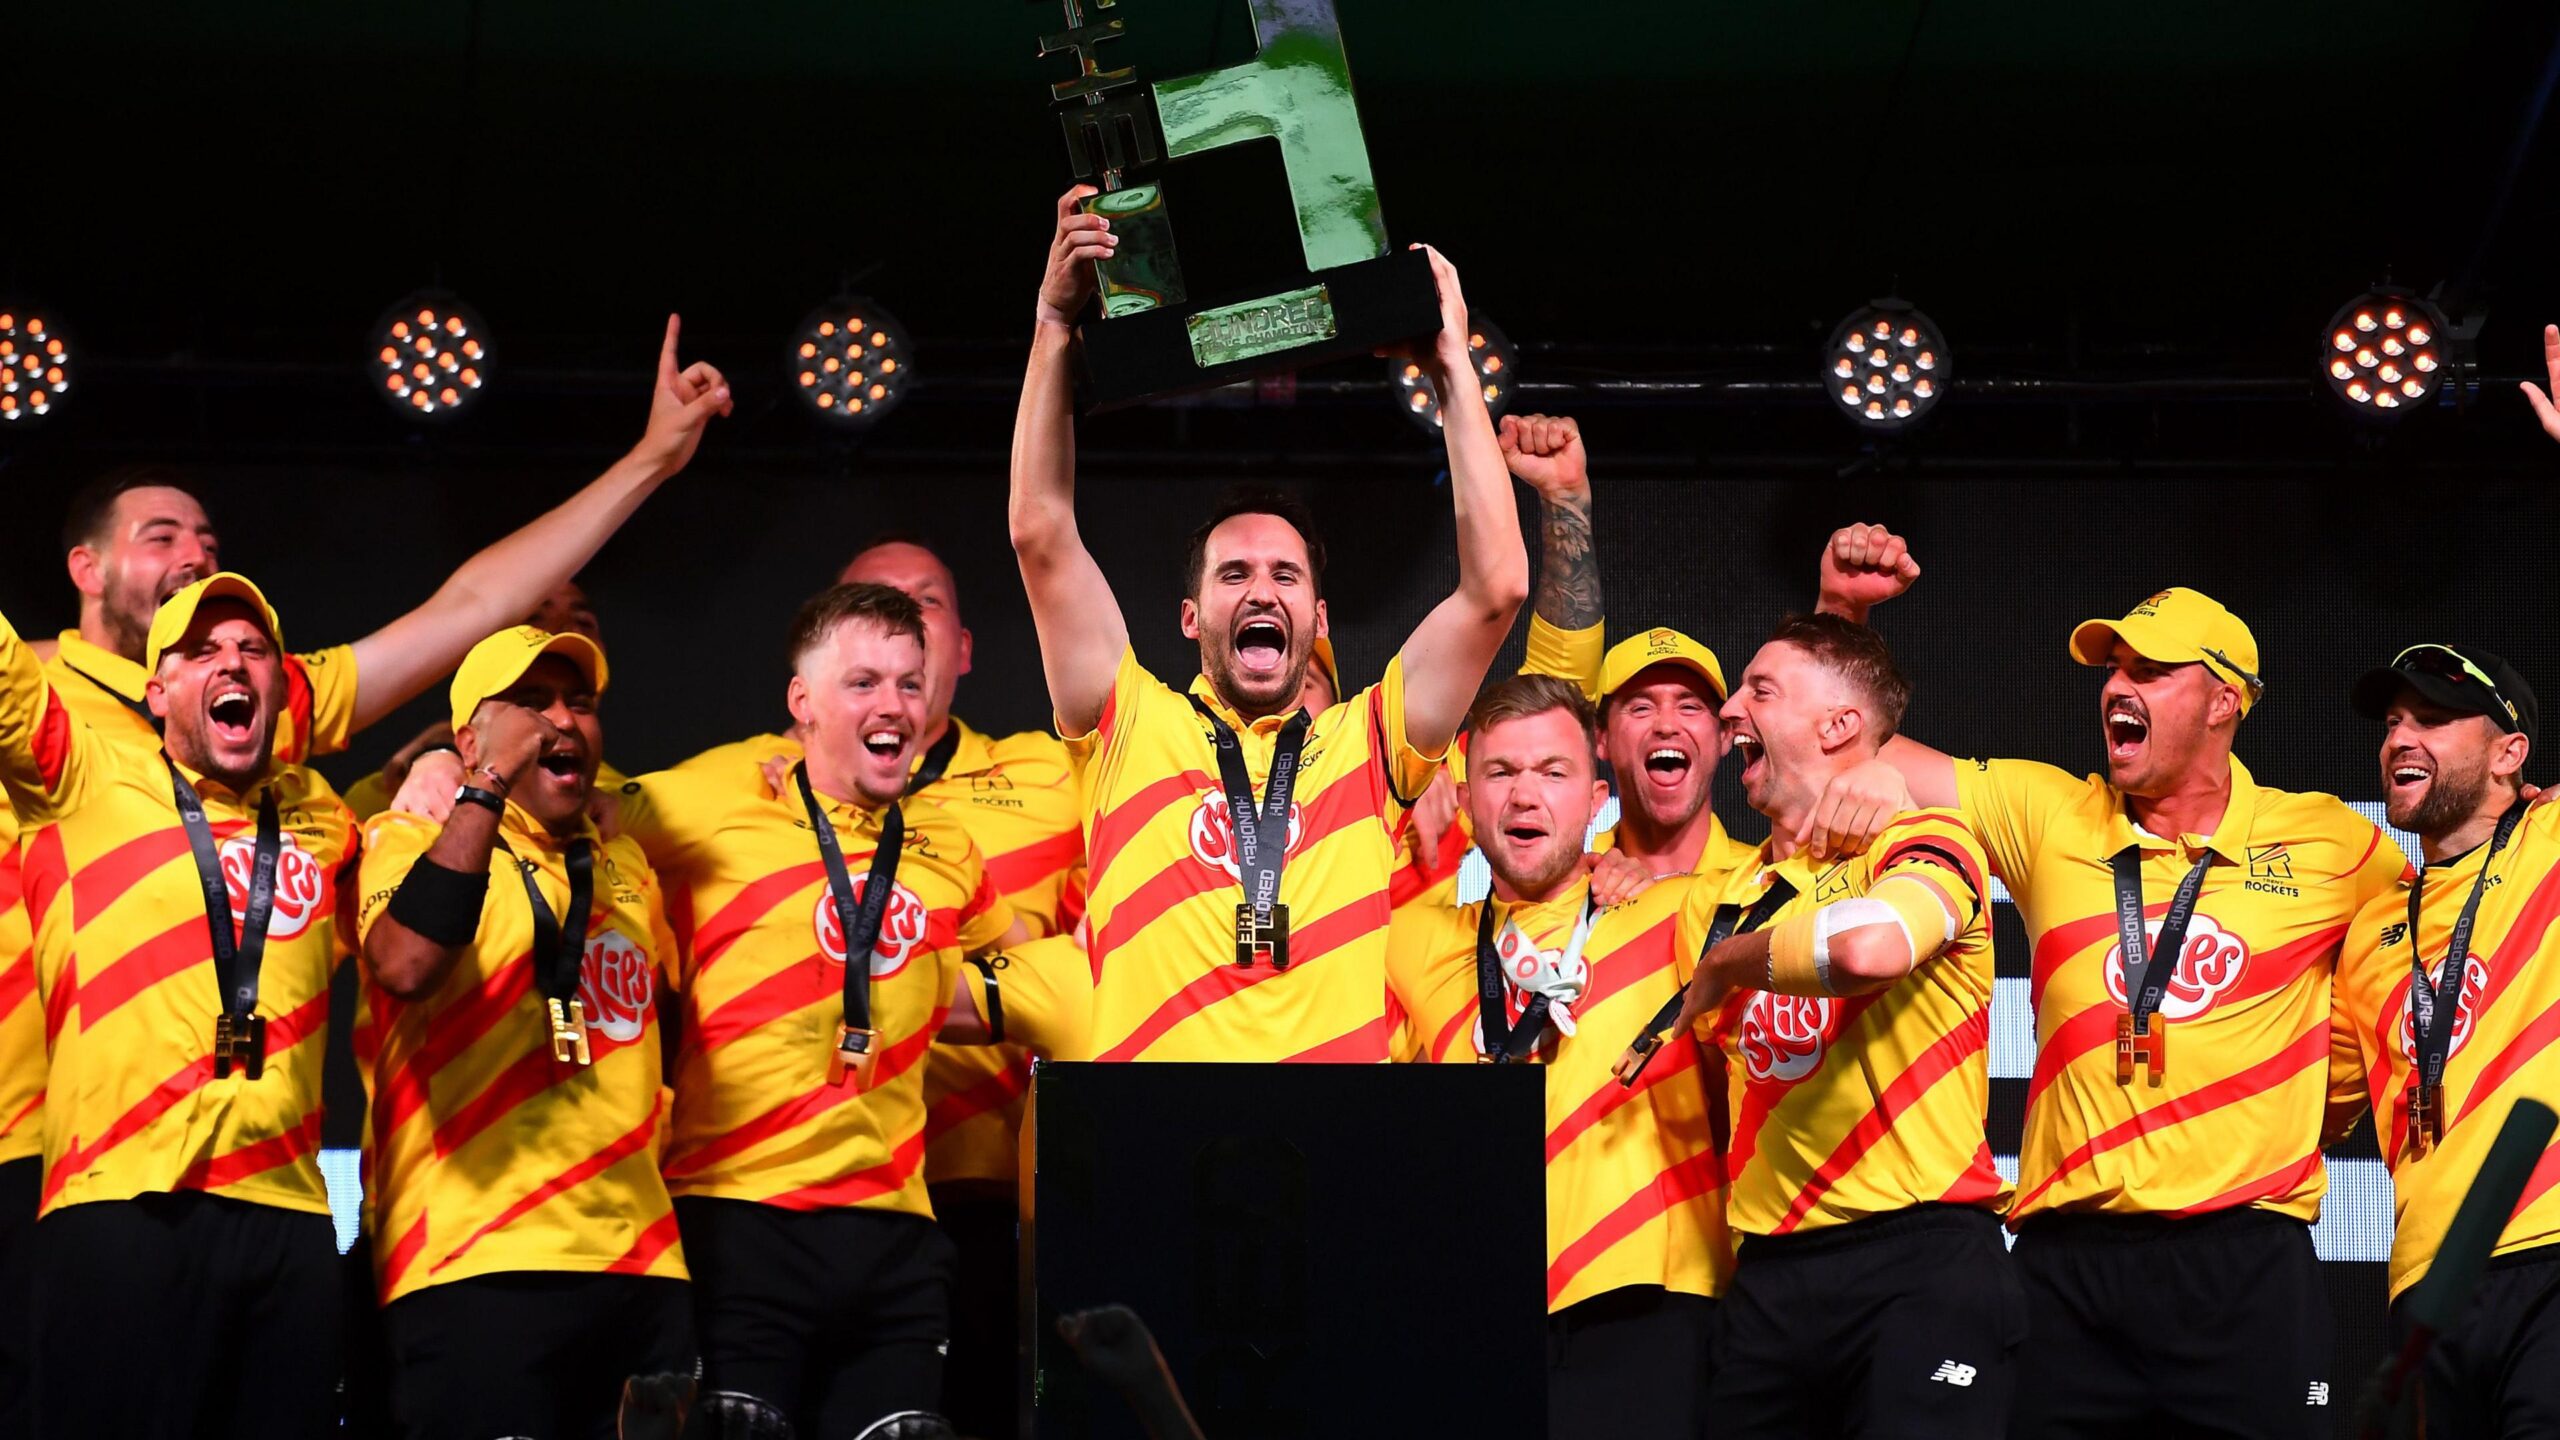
{"x":2452,"y":676}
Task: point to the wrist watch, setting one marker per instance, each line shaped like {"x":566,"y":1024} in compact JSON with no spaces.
{"x":474,"y":795}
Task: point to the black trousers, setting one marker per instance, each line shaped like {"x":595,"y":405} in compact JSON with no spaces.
{"x":981,"y":1389}
{"x":2496,"y":1373}
{"x":837,"y":1317}
{"x":528,"y":1352}
{"x":1630,"y":1364}
{"x":185,"y":1315}
{"x":1905,"y":1324}
{"x":2149,"y":1327}
{"x":21,"y":1184}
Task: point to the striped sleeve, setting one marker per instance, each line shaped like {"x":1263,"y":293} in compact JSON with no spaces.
{"x":1936,"y":845}
{"x":2007,"y":802}
{"x":48,"y":759}
{"x":321,"y":690}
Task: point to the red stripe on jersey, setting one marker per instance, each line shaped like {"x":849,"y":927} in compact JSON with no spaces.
{"x":796,"y":986}
{"x":644,"y":1252}
{"x":57,"y":1005}
{"x":1622,"y":970}
{"x":2370,"y":845}
{"x":17,"y":984}
{"x":2070,"y":1040}
{"x":2064,"y":941}
{"x":2308,"y":1048}
{"x":605,"y":1159}
{"x":2266,"y":974}
{"x":2544,"y":1175}
{"x":751,"y":904}
{"x":52,"y":740}
{"x":298,"y":704}
{"x":806,"y":1106}
{"x":26,"y":1112}
{"x":103,"y":880}
{"x":2529,"y":1042}
{"x":1339,"y":806}
{"x":1363,"y":1046}
{"x":42,"y":871}
{"x":404,"y":1253}
{"x":1018,"y":870}
{"x":962,"y":1106}
{"x":215,"y":1172}
{"x":12,"y":885}
{"x":1945,"y":853}
{"x":885,"y":1178}
{"x":283,"y":1033}
{"x":463,"y":1025}
{"x":1979,"y":1184}
{"x":1683,"y":1182}
{"x":179,"y":948}
{"x":1932,"y":1065}
{"x":2282,"y":1180}
{"x":1361,"y":917}
{"x":1677,"y":1058}
{"x":1458,"y":1024}
{"x":1760,"y":1097}
{"x":534,"y":1072}
{"x":1113,"y":829}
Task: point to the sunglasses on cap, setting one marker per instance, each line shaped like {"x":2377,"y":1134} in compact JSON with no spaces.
{"x":2257,"y":687}
{"x":2448,"y":663}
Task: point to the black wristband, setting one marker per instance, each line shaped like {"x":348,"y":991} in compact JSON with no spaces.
{"x":439,"y":904}
{"x":474,"y":795}
{"x":988,"y":965}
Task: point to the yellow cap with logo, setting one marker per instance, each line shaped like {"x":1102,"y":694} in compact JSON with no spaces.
{"x":178,"y":612}
{"x":2176,"y":627}
{"x":1658,"y":646}
{"x":497,"y":663}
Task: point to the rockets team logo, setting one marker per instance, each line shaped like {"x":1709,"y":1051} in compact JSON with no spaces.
{"x":1783,"y":1037}
{"x":2207,"y":968}
{"x":301,"y":890}
{"x":1213,"y":833}
{"x":2474,"y":997}
{"x":902,"y":926}
{"x":615,"y":987}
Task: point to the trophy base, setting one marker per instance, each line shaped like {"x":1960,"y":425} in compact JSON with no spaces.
{"x":1350,"y":310}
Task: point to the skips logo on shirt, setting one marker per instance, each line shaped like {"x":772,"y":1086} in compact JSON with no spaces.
{"x":2207,"y":968}
{"x":301,"y":890}
{"x":1213,"y":832}
{"x":902,"y":925}
{"x":1783,"y":1037}
{"x":2475,"y":989}
{"x":615,"y":987}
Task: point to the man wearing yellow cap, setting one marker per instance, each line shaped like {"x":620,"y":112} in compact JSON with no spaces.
{"x":524,"y":1246}
{"x":184,"y":900}
{"x":2185,"y":923}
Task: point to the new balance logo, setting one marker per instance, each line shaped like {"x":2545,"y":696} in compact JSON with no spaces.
{"x":2319,"y":1393}
{"x":1951,"y":1373}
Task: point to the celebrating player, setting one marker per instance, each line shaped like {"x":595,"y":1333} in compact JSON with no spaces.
{"x":1245,"y":918}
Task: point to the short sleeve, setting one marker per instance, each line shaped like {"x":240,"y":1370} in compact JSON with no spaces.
{"x":2383,"y":869}
{"x":1105,"y":740}
{"x":369,"y":796}
{"x":1573,"y":655}
{"x":1046,"y":986}
{"x":320,"y":690}
{"x":670,"y":814}
{"x":1939,"y":846}
{"x":2007,"y":804}
{"x":394,"y":842}
{"x":49,"y":758}
{"x":1408,"y":770}
{"x":986,"y":916}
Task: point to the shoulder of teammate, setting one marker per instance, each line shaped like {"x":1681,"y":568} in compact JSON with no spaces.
{"x":322,"y":685}
{"x":1940,"y":839}
{"x":1134,"y":691}
{"x":671,"y":813}
{"x":49,"y":758}
{"x":1032,"y":757}
{"x":936,"y":837}
{"x":2018,"y":787}
{"x":1660,"y":903}
{"x":2328,"y":840}
{"x":392,"y":843}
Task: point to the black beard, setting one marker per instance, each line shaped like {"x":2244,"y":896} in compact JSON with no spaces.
{"x":2451,"y":800}
{"x":1227,"y":678}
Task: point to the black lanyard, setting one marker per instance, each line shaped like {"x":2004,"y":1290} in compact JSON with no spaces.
{"x":937,"y":759}
{"x":1261,"y":835}
{"x":860,"y":922}
{"x":239,"y":1033}
{"x":121,"y":698}
{"x":1730,"y":921}
{"x":2144,"y":986}
{"x":560,"y":950}
{"x":1503,"y":1045}
{"x":2428,"y":1001}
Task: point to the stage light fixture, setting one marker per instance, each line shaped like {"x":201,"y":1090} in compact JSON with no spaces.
{"x":851,"y":362}
{"x":2386,"y":353}
{"x":35,"y":366}
{"x":1495,"y":364}
{"x":1887,"y":365}
{"x":429,"y":357}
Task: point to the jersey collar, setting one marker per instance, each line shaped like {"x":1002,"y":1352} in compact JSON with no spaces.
{"x":1567,"y":904}
{"x":1267,"y":725}
{"x":109,"y":669}
{"x":523,"y":831}
{"x":2230,"y":839}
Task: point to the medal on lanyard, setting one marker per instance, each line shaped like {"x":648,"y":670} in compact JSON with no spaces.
{"x":1729,"y":922}
{"x":857,"y":1048}
{"x":239,"y":1031}
{"x":1261,"y":837}
{"x":560,"y":950}
{"x":2142,"y":1036}
{"x":1505,"y":1043}
{"x":2435,"y":1006}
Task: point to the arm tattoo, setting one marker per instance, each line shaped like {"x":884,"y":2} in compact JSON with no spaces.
{"x":1568,"y":571}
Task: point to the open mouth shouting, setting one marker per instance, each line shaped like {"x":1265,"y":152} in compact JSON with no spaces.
{"x":231,"y":712}
{"x":2128,"y":729}
{"x":1667,"y":766}
{"x":1755,"y":757}
{"x":2405,"y":780}
{"x":1262,"y":646}
{"x":886,"y":744}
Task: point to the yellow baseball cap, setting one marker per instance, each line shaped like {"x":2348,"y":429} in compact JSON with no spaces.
{"x":178,"y":612}
{"x":1658,"y":646}
{"x":497,"y":663}
{"x":2174,"y":627}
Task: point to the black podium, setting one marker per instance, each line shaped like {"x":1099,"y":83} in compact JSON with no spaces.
{"x":1322,"y":1251}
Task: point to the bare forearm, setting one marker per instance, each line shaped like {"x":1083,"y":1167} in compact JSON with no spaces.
{"x":1078,"y":618}
{"x":409,"y":964}
{"x":1493,"y":565}
{"x":1568,"y":569}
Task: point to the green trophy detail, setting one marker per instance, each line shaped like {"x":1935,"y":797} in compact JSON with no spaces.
{"x":1261,"y":327}
{"x":1145,"y":274}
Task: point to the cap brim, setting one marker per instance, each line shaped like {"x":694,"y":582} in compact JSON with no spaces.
{"x":2093,"y":642}
{"x":222,"y":586}
{"x":577,"y":649}
{"x":2375,"y":689}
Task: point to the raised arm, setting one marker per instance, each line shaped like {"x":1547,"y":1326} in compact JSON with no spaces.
{"x":436,"y":911}
{"x":1446,"y":657}
{"x":1082,"y":633}
{"x":2546,"y":403}
{"x":1546,"y":453}
{"x":47,"y":756}
{"x":1862,"y":567}
{"x":503,"y":583}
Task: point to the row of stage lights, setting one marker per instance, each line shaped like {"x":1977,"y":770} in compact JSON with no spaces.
{"x":2385,"y":354}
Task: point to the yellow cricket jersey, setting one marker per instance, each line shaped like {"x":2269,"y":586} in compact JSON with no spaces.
{"x":22,"y":1057}
{"x":1046,"y":989}
{"x":2237,"y":1119}
{"x":124,"y":962}
{"x":371,"y":796}
{"x":1846,"y":1107}
{"x":1165,"y":885}
{"x":484,"y":1153}
{"x":1635,"y":1181}
{"x":2504,"y":1022}
{"x":762,"y":967}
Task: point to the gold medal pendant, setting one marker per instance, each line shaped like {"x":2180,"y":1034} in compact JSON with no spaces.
{"x":569,"y":1033}
{"x":241,"y":1043}
{"x":1261,"y":940}
{"x":2426,"y":1119}
{"x":857,"y":1053}
{"x":2149,"y":1050}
